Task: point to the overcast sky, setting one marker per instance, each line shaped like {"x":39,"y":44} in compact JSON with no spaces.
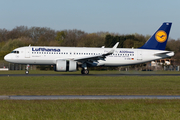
{"x":119,"y":16}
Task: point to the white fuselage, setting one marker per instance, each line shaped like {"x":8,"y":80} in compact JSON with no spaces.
{"x":49,"y":55}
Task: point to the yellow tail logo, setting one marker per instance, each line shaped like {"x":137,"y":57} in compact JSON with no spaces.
{"x":161,"y":36}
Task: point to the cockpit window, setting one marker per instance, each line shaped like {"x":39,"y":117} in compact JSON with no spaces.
{"x":17,"y":52}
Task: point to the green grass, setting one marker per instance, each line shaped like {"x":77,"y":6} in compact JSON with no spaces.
{"x":90,"y":85}
{"x":91,"y":72}
{"x":144,"y":109}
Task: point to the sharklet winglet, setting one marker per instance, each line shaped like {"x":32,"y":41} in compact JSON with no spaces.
{"x":114,"y":48}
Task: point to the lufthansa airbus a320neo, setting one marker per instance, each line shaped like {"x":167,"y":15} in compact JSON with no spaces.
{"x":68,"y":58}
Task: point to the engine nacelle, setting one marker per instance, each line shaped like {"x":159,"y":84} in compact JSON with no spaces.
{"x":64,"y":65}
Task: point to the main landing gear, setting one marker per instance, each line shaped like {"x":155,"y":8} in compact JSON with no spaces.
{"x":27,"y":69}
{"x":84,"y":69}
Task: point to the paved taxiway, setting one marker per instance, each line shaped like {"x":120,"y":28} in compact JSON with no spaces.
{"x":89,"y":75}
{"x":86,"y":97}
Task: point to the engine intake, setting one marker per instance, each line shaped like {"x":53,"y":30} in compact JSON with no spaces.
{"x":64,"y":65}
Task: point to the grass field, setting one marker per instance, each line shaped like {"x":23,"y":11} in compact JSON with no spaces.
{"x":90,"y":110}
{"x":90,"y":85}
{"x":91,"y":72}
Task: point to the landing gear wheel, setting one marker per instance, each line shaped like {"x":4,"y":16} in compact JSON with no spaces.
{"x":26,"y":72}
{"x":82,"y":71}
{"x":85,"y":71}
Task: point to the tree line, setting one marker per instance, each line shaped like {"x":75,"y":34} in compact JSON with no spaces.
{"x":43,"y":36}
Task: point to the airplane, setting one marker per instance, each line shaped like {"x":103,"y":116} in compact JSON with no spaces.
{"x":68,"y":58}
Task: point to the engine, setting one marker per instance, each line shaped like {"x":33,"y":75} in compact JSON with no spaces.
{"x":64,"y":65}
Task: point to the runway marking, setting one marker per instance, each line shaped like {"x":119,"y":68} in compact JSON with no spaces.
{"x":86,"y":97}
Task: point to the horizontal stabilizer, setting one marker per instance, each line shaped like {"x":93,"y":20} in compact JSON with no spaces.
{"x":168,"y":53}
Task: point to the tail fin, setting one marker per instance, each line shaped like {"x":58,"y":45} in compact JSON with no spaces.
{"x":159,"y":39}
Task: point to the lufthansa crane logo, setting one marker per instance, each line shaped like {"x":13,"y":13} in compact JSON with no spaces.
{"x":161,"y":36}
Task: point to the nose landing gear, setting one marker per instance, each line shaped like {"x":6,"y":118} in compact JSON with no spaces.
{"x":27,"y":69}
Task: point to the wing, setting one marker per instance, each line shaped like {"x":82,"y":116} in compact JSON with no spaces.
{"x":93,"y":58}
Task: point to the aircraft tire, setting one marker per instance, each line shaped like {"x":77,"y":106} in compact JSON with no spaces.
{"x":82,"y":71}
{"x":86,"y":72}
{"x":26,"y":72}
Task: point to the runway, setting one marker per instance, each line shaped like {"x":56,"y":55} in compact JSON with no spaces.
{"x":86,"y":97}
{"x":31,"y":75}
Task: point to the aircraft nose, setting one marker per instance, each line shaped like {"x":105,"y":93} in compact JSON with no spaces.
{"x":7,"y":57}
